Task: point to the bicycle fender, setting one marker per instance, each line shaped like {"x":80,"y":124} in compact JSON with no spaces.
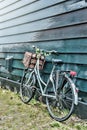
{"x":74,"y":90}
{"x":75,"y":94}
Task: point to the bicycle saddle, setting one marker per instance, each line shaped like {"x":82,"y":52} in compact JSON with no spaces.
{"x":57,"y":61}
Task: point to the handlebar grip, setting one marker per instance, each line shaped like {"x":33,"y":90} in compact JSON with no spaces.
{"x":33,"y":47}
{"x":54,"y":52}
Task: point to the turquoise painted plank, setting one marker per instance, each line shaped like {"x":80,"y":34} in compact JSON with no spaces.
{"x":63,"y":33}
{"x":2,"y":62}
{"x":82,"y":85}
{"x":74,"y":58}
{"x":17,"y":64}
{"x":77,"y":46}
{"x":29,"y":9}
{"x":70,"y":41}
{"x":79,"y":4}
{"x":17,"y":56}
{"x":73,"y":18}
{"x":58,"y":8}
{"x":54,"y":34}
{"x":17,"y":72}
{"x":15,"y":48}
{"x":6,"y":3}
{"x":13,"y":5}
{"x":2,"y":55}
{"x":14,"y":75}
{"x":54,"y":10}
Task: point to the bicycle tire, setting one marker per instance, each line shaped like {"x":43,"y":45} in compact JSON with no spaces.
{"x":61,"y":108}
{"x":26,"y":87}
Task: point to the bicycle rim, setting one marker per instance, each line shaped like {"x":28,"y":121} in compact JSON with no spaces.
{"x":61,"y":107}
{"x":26,"y":89}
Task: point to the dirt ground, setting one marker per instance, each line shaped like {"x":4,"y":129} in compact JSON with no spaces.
{"x":15,"y":115}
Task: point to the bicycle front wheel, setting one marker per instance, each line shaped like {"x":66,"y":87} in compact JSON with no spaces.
{"x":61,"y":107}
{"x":26,"y":87}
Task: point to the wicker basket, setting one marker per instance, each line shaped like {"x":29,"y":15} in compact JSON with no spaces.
{"x":30,"y":60}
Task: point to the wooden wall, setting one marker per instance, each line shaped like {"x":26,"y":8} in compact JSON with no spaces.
{"x":49,"y":24}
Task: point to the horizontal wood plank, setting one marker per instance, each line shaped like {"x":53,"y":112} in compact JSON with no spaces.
{"x":53,"y":34}
{"x":59,"y":25}
{"x":69,"y":19}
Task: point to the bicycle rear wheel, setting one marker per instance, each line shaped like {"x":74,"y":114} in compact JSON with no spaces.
{"x":61,"y":107}
{"x":26,"y":87}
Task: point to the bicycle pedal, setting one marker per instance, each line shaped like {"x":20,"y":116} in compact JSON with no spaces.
{"x":33,"y":88}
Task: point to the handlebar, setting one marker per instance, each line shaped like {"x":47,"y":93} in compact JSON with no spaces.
{"x":44,"y":52}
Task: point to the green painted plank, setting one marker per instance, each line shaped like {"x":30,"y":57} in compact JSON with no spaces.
{"x":63,"y":20}
{"x":59,"y":8}
{"x":2,"y":62}
{"x":82,"y":85}
{"x":74,"y":58}
{"x":77,"y":46}
{"x":17,"y":64}
{"x":39,"y":5}
{"x":5,"y":3}
{"x":10,"y":6}
{"x":17,"y":72}
{"x":2,"y":55}
{"x":17,"y":56}
{"x":54,"y":34}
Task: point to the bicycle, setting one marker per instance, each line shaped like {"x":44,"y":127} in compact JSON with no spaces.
{"x":59,"y":90}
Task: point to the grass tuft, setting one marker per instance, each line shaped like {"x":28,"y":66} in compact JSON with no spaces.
{"x":15,"y":115}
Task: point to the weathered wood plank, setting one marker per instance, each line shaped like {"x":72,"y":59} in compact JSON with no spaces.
{"x":2,"y":62}
{"x":77,"y":46}
{"x":74,"y":58}
{"x":78,"y":4}
{"x":13,"y":6}
{"x":67,"y":59}
{"x":53,"y":22}
{"x":18,"y":64}
{"x":39,"y":5}
{"x":53,"y":25}
{"x":1,"y":1}
{"x":17,"y":72}
{"x":6,"y":3}
{"x":82,"y":85}
{"x":15,"y":55}
{"x":54,"y":34}
{"x":62,"y":7}
{"x":73,"y":18}
{"x":2,"y":55}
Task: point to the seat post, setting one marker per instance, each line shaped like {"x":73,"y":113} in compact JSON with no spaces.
{"x":57,"y":78}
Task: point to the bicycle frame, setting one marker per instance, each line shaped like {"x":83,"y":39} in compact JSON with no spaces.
{"x":63,"y":95}
{"x":39,"y":79}
{"x":50,"y":78}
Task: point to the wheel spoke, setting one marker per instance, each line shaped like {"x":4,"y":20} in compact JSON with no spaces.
{"x":62,"y":107}
{"x":26,"y":91}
